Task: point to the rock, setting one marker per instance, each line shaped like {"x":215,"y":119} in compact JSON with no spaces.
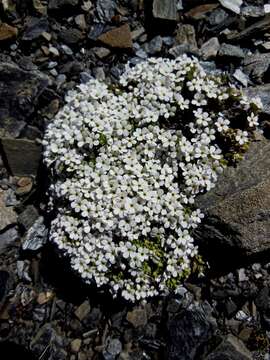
{"x":188,"y":331}
{"x":262,"y":300}
{"x":165,"y":10}
{"x":24,"y":185}
{"x":7,"y":214}
{"x":75,"y":345}
{"x":186,"y":35}
{"x":228,"y":50}
{"x":237,"y":218}
{"x":137,"y":317}
{"x":231,"y":348}
{"x":8,"y":238}
{"x":19,"y":92}
{"x":233,"y":5}
{"x":135,"y":34}
{"x":81,"y":22}
{"x":217,"y":17}
{"x":4,"y":277}
{"x":117,"y":38}
{"x":242,"y":275}
{"x":19,"y":165}
{"x":62,"y":4}
{"x":105,"y":10}
{"x":210,"y":48}
{"x":34,"y":28}
{"x":83,"y":310}
{"x":252,"y":11}
{"x":36,"y":236}
{"x":113,"y":348}
{"x":28,"y":217}
{"x":101,"y":52}
{"x":67,"y":50}
{"x":154,"y":46}
{"x":241,"y":77}
{"x":256,"y":65}
{"x":255,"y":29}
{"x":45,"y":297}
{"x":7,"y":32}
{"x":201,"y":11}
{"x":99,"y":73}
{"x":183,"y":49}
{"x":71,"y":36}
{"x":262,"y":91}
{"x":39,"y":7}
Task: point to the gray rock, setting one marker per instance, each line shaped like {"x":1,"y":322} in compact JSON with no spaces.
{"x":237,"y":209}
{"x":231,"y":348}
{"x":256,"y":65}
{"x":101,"y":52}
{"x":241,"y":77}
{"x":228,"y":50}
{"x":210,"y":48}
{"x":233,"y":5}
{"x":113,"y":348}
{"x":252,"y":11}
{"x":183,"y":49}
{"x":165,"y":9}
{"x":62,"y":4}
{"x":188,"y":330}
{"x":19,"y":93}
{"x":256,"y":28}
{"x":36,"y":236}
{"x":186,"y":35}
{"x":28,"y":217}
{"x":262,"y":91}
{"x":99,"y":73}
{"x":71,"y":36}
{"x":217,"y":16}
{"x":154,"y":46}
{"x":67,"y":50}
{"x":34,"y":28}
{"x":105,"y":10}
{"x":19,"y":165}
{"x":8,"y":238}
{"x":137,"y":317}
{"x":85,"y":77}
{"x":7,"y":214}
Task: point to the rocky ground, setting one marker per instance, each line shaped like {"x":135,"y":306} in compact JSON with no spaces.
{"x":47,"y":47}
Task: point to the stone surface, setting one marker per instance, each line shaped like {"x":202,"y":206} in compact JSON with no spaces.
{"x":8,"y":238}
{"x":154,"y":46}
{"x":75,"y":345}
{"x":19,"y":165}
{"x":36,"y":236}
{"x":186,"y":35}
{"x":62,"y":4}
{"x":137,"y":317}
{"x":71,"y":36}
{"x":256,"y":65}
{"x":117,"y":38}
{"x":256,"y":29}
{"x":233,"y":5}
{"x":165,"y":9}
{"x":28,"y":217}
{"x":34,"y":28}
{"x":201,"y":11}
{"x":105,"y":10}
{"x":19,"y":92}
{"x":228,"y":50}
{"x":237,"y":209}
{"x":263,"y":91}
{"x":7,"y":32}
{"x":83,"y":310}
{"x":231,"y":348}
{"x":187,"y":331}
{"x":7,"y":214}
{"x":210,"y":48}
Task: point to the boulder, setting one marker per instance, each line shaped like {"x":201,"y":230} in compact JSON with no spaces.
{"x":237,"y":210}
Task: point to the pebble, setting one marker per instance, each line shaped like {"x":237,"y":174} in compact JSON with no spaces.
{"x":75,"y":345}
{"x":101,"y":52}
{"x":80,"y":21}
{"x":83,"y":310}
{"x":228,"y":50}
{"x":7,"y":32}
{"x":137,"y":317}
{"x":233,"y":5}
{"x":66,"y":49}
{"x":210,"y":48}
{"x":154,"y":46}
{"x":241,"y":77}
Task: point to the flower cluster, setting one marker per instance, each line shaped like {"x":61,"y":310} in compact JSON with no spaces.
{"x":127,"y":162}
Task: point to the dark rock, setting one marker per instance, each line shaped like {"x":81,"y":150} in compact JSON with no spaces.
{"x":7,"y":214}
{"x":183,"y":49}
{"x":4,"y":277}
{"x":217,"y":16}
{"x":34,"y":28}
{"x":105,"y":10}
{"x":231,"y":348}
{"x":71,"y":36}
{"x":96,"y":30}
{"x":230,"y":308}
{"x":227,"y":50}
{"x":7,"y":32}
{"x":154,"y":46}
{"x":254,"y":29}
{"x":262,"y":91}
{"x":83,"y":310}
{"x":8,"y":239}
{"x":165,"y":10}
{"x":262,"y":300}
{"x":19,"y":92}
{"x":117,"y":38}
{"x":62,"y":4}
{"x":28,"y":217}
{"x":237,"y":210}
{"x":188,"y":331}
{"x":19,"y":165}
{"x":137,"y":317}
{"x":11,"y":127}
{"x":256,"y":65}
{"x":36,"y":236}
